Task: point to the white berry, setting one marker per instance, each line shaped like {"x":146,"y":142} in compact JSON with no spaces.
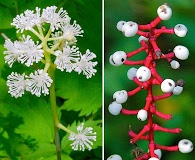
{"x":120,"y":25}
{"x":177,"y":90}
{"x":143,"y":74}
{"x":131,"y":73}
{"x":181,"y":52}
{"x":180,"y":30}
{"x":129,"y":29}
{"x":114,"y":157}
{"x":167,"y":85}
{"x":158,"y":152}
{"x":153,"y":158}
{"x":175,"y":64}
{"x":185,"y":146}
{"x":115,"y":108}
{"x":164,"y":12}
{"x":120,"y":96}
{"x":142,"y":38}
{"x":142,"y":115}
{"x":118,"y":58}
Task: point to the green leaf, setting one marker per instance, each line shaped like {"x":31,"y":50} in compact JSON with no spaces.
{"x":81,"y":94}
{"x":34,"y":131}
{"x":5,"y":20}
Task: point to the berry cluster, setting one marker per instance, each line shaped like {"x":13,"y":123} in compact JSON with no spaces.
{"x":146,"y":77}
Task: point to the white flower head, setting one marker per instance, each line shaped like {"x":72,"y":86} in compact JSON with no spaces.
{"x":38,"y":83}
{"x":16,"y":84}
{"x":25,"y":51}
{"x":29,"y":51}
{"x":27,"y":20}
{"x":85,"y":64}
{"x":65,"y":59}
{"x":71,"y":31}
{"x":12,"y":53}
{"x":56,"y":19}
{"x":83,"y":139}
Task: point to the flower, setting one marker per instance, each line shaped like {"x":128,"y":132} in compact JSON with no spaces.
{"x":23,"y":51}
{"x":67,"y":58}
{"x":83,"y":139}
{"x":86,"y":65}
{"x":38,"y":83}
{"x":11,"y":53}
{"x":49,"y":15}
{"x":27,"y":20}
{"x":29,"y":51}
{"x":16,"y":84}
{"x":70,"y":31}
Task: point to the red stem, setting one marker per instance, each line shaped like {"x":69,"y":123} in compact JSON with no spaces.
{"x":156,"y":127}
{"x":129,"y":112}
{"x":168,"y":148}
{"x":155,"y":22}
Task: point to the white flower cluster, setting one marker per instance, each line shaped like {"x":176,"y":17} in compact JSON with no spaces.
{"x":83,"y":139}
{"x":70,"y":59}
{"x":36,"y":83}
{"x":59,"y":41}
{"x":24,"y":51}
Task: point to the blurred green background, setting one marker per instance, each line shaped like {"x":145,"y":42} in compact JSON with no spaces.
{"x":181,"y":107}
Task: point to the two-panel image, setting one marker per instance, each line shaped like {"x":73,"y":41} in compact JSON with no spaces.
{"x":97,"y":80}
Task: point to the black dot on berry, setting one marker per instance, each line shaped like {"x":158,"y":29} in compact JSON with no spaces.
{"x":122,"y":59}
{"x":170,"y":84}
{"x":140,"y":77}
{"x":185,"y":143}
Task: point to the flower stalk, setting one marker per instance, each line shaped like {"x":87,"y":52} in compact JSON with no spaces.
{"x":146,"y":77}
{"x":54,"y":50}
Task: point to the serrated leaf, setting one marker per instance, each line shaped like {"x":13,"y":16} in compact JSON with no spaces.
{"x":37,"y":127}
{"x":81,"y":94}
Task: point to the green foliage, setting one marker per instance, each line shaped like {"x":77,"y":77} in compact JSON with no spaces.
{"x":26,"y":125}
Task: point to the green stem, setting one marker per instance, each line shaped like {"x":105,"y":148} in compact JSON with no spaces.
{"x":61,"y":126}
{"x":36,"y":33}
{"x":54,"y":112}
